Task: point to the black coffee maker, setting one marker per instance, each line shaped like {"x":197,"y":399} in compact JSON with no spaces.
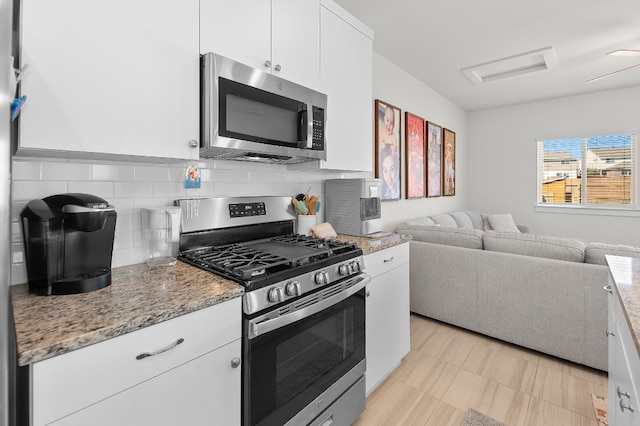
{"x":68,"y":242}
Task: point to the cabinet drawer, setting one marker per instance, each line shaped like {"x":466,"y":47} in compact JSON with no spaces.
{"x":385,"y":260}
{"x":66,"y":383}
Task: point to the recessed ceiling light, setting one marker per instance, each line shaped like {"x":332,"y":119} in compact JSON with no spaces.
{"x":512,"y":66}
{"x":624,"y":52}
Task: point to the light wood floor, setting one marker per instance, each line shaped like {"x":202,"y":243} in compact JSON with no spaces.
{"x":449,"y":370}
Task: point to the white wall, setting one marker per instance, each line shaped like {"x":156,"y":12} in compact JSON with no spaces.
{"x":393,"y":85}
{"x":502,"y":159}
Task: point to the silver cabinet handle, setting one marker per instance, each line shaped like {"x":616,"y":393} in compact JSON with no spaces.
{"x":622,"y":393}
{"x":278,"y":67}
{"x":235,"y":362}
{"x":608,"y":289}
{"x":267,"y":64}
{"x":624,"y":406}
{"x":368,"y":293}
{"x":611,"y":333}
{"x":159,"y":351}
{"x":193,"y":143}
{"x":388,"y":260}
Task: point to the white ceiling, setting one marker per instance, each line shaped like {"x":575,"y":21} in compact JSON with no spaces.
{"x":434,"y":40}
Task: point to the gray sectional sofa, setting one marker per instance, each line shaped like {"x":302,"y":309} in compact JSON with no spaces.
{"x":486,"y":274}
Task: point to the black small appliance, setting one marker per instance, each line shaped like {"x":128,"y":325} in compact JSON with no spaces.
{"x":68,"y":242}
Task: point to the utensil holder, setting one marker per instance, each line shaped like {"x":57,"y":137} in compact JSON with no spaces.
{"x":305,"y":222}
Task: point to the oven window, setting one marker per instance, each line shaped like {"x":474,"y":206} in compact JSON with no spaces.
{"x":291,"y":366}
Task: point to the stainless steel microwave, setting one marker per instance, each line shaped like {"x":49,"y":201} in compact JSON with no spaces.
{"x":248,"y":114}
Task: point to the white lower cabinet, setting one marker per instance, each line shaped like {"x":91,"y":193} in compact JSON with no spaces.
{"x":204,"y":391}
{"x":387,"y":310}
{"x":624,"y":368}
{"x":182,"y":371}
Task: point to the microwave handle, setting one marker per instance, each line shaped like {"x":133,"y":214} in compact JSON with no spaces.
{"x":303,"y":132}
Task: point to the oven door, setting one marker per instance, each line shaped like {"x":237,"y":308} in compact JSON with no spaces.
{"x":303,"y":356}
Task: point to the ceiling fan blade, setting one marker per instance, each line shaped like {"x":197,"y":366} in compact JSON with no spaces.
{"x":612,"y":73}
{"x":624,"y":52}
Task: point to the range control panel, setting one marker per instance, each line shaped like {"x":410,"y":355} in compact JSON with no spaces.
{"x":247,"y":209}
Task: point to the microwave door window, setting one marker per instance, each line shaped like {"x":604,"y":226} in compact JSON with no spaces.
{"x":253,"y":114}
{"x":261,"y":122}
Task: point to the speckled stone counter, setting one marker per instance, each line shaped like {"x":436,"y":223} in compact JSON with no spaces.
{"x":371,"y":245}
{"x":139,"y":296}
{"x":626,"y":275}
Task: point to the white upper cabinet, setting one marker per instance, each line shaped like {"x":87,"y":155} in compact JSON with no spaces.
{"x":110,"y":78}
{"x":346,"y":76}
{"x":278,"y":36}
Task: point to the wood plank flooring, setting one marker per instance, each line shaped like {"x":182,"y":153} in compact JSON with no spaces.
{"x":449,"y":370}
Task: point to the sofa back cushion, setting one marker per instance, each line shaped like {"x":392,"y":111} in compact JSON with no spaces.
{"x":476,"y":219}
{"x":462,"y":220}
{"x":421,"y":221}
{"x":595,"y":252}
{"x":444,"y":220}
{"x":535,"y":245}
{"x":459,"y":237}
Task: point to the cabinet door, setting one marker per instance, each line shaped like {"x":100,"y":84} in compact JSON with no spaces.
{"x":239,"y":30}
{"x":295,"y":41}
{"x":110,"y":77}
{"x":623,"y":383}
{"x":346,"y":77}
{"x":387,"y":326}
{"x":204,"y":391}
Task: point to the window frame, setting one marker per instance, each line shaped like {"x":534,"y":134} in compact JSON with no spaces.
{"x":632,"y":209}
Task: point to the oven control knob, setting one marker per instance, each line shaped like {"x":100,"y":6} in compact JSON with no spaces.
{"x":293,"y":289}
{"x":275,"y":295}
{"x":355,"y":266}
{"x":344,"y":270}
{"x":322,"y":278}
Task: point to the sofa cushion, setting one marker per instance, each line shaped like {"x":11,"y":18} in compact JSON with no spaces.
{"x":476,"y":219}
{"x":502,"y":222}
{"x":534,"y":245}
{"x":444,"y":220}
{"x":459,"y":237}
{"x":462,"y":220}
{"x":595,"y":252}
{"x":421,"y":221}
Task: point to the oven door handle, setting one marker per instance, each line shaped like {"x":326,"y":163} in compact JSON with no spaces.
{"x":258,"y":327}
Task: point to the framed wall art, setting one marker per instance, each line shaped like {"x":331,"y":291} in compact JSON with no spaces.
{"x":415,"y":159}
{"x":449,"y":164}
{"x":434,"y":160}
{"x":387,"y":148}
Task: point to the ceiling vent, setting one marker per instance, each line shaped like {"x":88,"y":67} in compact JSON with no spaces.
{"x":522,"y":64}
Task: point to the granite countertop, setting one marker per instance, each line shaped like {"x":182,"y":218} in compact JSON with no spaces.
{"x":371,"y":245}
{"x":626,"y":275}
{"x":139,"y":296}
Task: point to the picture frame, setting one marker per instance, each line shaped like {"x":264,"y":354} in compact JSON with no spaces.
{"x":388,"y":149}
{"x":434,"y":160}
{"x":414,"y":127}
{"x":449,"y":163}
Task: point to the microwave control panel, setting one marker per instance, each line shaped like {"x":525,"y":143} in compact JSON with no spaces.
{"x":318,"y":129}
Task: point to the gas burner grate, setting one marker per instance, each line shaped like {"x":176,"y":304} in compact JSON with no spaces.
{"x":255,"y":260}
{"x":239,"y":261}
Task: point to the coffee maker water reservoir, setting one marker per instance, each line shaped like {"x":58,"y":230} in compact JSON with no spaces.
{"x":68,"y":242}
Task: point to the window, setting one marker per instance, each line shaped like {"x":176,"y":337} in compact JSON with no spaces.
{"x":594,"y":171}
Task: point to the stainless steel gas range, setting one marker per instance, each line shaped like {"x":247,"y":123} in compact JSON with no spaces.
{"x":303,"y":311}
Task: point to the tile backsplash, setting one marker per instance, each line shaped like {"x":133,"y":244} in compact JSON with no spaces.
{"x":132,"y":186}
